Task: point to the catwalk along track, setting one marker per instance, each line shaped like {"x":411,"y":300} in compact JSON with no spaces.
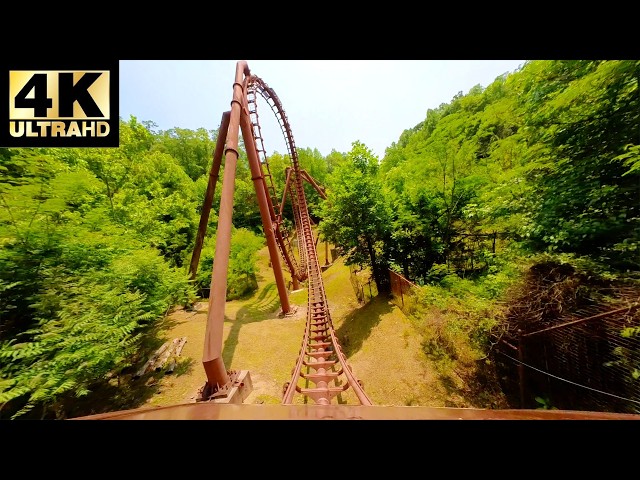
{"x":321,"y":373}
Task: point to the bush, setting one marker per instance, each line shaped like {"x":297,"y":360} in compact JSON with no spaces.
{"x":241,"y":274}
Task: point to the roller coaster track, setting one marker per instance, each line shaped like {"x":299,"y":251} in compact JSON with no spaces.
{"x":255,"y":88}
{"x":321,"y":360}
{"x":321,"y":372}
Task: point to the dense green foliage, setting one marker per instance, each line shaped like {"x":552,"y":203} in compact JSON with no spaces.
{"x":94,"y":243}
{"x":587,"y":116}
{"x":95,"y":246}
{"x":544,"y":158}
{"x":241,"y":276}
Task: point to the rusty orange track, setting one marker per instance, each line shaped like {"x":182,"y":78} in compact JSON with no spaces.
{"x":321,"y":361}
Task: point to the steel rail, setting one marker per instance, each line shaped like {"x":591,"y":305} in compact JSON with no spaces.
{"x":321,"y":359}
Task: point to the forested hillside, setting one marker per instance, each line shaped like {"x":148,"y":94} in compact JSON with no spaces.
{"x":508,"y":206}
{"x":542,"y":165}
{"x":545,"y":158}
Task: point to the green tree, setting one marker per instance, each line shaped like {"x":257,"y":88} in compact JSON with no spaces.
{"x":355,"y":217}
{"x":191,"y":148}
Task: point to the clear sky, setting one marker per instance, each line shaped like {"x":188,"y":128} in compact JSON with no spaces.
{"x":329,"y":103}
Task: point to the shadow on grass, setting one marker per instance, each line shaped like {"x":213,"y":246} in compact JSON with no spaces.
{"x":264,"y":307}
{"x":111,"y":397}
{"x":130,"y":391}
{"x":165,"y":323}
{"x":357,"y":326}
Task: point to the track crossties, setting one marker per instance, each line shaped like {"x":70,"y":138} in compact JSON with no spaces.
{"x":321,"y":372}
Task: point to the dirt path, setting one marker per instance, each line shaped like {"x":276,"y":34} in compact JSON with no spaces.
{"x":381,"y":344}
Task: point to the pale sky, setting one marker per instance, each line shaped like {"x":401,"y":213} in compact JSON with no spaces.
{"x":329,"y":103}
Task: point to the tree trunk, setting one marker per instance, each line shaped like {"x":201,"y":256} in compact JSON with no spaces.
{"x":378,"y":275}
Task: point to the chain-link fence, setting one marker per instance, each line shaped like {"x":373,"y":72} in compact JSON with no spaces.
{"x":587,"y":360}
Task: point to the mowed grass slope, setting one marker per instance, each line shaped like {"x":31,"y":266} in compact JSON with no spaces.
{"x":379,"y":340}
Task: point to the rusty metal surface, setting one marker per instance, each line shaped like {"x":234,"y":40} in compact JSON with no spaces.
{"x":213,"y":364}
{"x":213,"y":411}
{"x":209,"y":194}
{"x":256,"y":86}
{"x":218,"y":379}
{"x":314,"y":184}
{"x":321,"y":361}
{"x":265,"y":207}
